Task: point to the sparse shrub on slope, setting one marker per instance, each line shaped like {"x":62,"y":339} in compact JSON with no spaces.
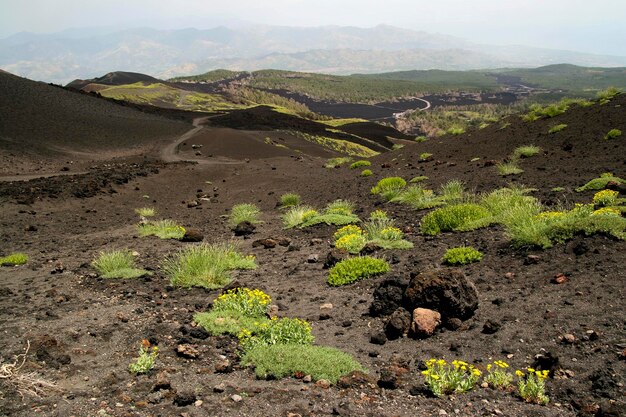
{"x":289,"y":200}
{"x":338,"y":213}
{"x":389,"y":187}
{"x":118,"y":264}
{"x":366,"y":173}
{"x":601,"y":182}
{"x":244,"y":213}
{"x":458,"y":217}
{"x":526,"y":151}
{"x":164,"y":229}
{"x":613,"y":134}
{"x":14,"y":259}
{"x":354,"y":269}
{"x":461,"y":256}
{"x":360,"y":164}
{"x":284,"y":330}
{"x":607,"y":95}
{"x":557,"y":128}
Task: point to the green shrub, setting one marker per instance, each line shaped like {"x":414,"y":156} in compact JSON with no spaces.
{"x":289,"y":200}
{"x":557,"y":128}
{"x":280,"y":360}
{"x":417,"y":197}
{"x":354,"y":269}
{"x":145,"y":362}
{"x":294,"y":217}
{"x":337,"y":162}
{"x":459,"y":217}
{"x":508,"y":168}
{"x":366,"y":173}
{"x":232,"y":322}
{"x":118,"y":264}
{"x":146,"y":211}
{"x":252,"y":303}
{"x":526,"y":151}
{"x":14,"y":259}
{"x":244,"y":213}
{"x":417,"y":179}
{"x":461,"y":256}
{"x":164,"y":229}
{"x":353,"y":243}
{"x":420,"y":139}
{"x":452,"y":191}
{"x":425,"y":156}
{"x":389,"y":187}
{"x":455,"y":130}
{"x":360,"y":164}
{"x":601,"y":182}
{"x":613,"y":133}
{"x":607,"y":95}
{"x":284,"y":330}
{"x":205,"y":265}
{"x":338,"y":213}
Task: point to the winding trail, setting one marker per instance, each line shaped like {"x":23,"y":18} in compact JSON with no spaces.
{"x":405,"y":112}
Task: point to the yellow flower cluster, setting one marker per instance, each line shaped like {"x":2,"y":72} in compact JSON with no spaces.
{"x":347,"y":230}
{"x":531,"y":371}
{"x":391,"y":233}
{"x":351,"y":242}
{"x":308,"y":215}
{"x":547,"y":215}
{"x":605,"y":197}
{"x":604,"y":211}
{"x":255,"y":295}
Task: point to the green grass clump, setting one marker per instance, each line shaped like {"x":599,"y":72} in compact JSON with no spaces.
{"x":455,"y":130}
{"x":601,"y":182}
{"x":607,"y":95}
{"x":14,"y":259}
{"x":294,"y":217}
{"x":337,"y":162}
{"x":354,"y":269}
{"x":379,"y":230}
{"x":537,"y":111}
{"x":508,"y":168}
{"x":417,"y":197}
{"x":424,"y":156}
{"x":461,"y":256}
{"x":557,"y":128}
{"x":366,"y":173}
{"x":526,"y":151}
{"x":389,"y":187}
{"x":360,"y":164}
{"x":205,"y":265}
{"x":338,"y":213}
{"x":458,"y":217}
{"x":420,"y":139}
{"x":284,"y":330}
{"x":452,"y":191}
{"x":244,"y":213}
{"x":417,"y":179}
{"x":164,"y":229}
{"x":118,"y":264}
{"x":284,"y":360}
{"x":289,"y":200}
{"x":146,"y":211}
{"x":613,"y":133}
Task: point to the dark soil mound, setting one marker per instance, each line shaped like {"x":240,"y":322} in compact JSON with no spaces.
{"x":115,"y":78}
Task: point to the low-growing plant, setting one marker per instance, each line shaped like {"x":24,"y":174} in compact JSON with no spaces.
{"x":526,"y":151}
{"x":283,"y":330}
{"x":244,"y":213}
{"x":607,"y":95}
{"x":420,"y":139}
{"x":443,"y":378}
{"x":455,"y":130}
{"x":397,"y":146}
{"x":389,"y":187}
{"x":452,"y":191}
{"x":146,"y":211}
{"x":613,"y":134}
{"x":458,"y":217}
{"x":252,"y":303}
{"x":354,"y":269}
{"x":366,"y":173}
{"x":601,"y":182}
{"x":508,"y":168}
{"x":352,"y":243}
{"x":282,"y":360}
{"x":558,"y":189}
{"x":606,"y":198}
{"x":118,"y":264}
{"x":338,"y":213}
{"x":417,"y":179}
{"x":337,"y":162}
{"x":498,"y":377}
{"x":557,"y":128}
{"x":14,"y":259}
{"x":205,"y":265}
{"x":504,"y":125}
{"x":424,"y":156}
{"x":531,"y":386}
{"x":359,"y":164}
{"x":145,"y":362}
{"x":231,"y":322}
{"x":164,"y":229}
{"x":289,"y":200}
{"x":462,"y":256}
{"x":418,"y":198}
{"x":294,"y":217}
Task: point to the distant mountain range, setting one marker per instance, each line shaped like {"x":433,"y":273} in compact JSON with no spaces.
{"x":84,"y":53}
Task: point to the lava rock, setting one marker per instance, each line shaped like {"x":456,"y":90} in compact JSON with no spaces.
{"x":398,"y":324}
{"x":355,"y":379}
{"x":424,"y":322}
{"x":388,"y":297}
{"x":334,"y":256}
{"x":184,"y":398}
{"x":162,"y":382}
{"x":187,"y":351}
{"x":266,"y":243}
{"x":378,"y":338}
{"x":491,"y":326}
{"x":244,"y":229}
{"x":447,"y":291}
{"x":192,"y":235}
{"x":391,"y":377}
{"x":369,"y":249}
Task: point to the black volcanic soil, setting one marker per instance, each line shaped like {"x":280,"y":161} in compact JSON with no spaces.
{"x":84,"y":330}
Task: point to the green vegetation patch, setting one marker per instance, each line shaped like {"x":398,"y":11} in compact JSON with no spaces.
{"x":14,"y":259}
{"x":227,"y":322}
{"x":146,"y":211}
{"x":461,"y":256}
{"x":525,"y":151}
{"x":557,"y":128}
{"x":284,"y":360}
{"x":338,"y":213}
{"x":366,"y":173}
{"x":508,"y":168}
{"x":205,"y":265}
{"x":420,"y":198}
{"x":244,"y":213}
{"x":458,"y":217}
{"x":379,"y":230}
{"x":337,"y":162}
{"x":118,"y":264}
{"x":417,"y":179}
{"x":359,"y":164}
{"x":613,"y":134}
{"x":289,"y":200}
{"x":354,"y":269}
{"x":284,"y":330}
{"x":389,"y":187}
{"x":601,"y":182}
{"x":164,"y":229}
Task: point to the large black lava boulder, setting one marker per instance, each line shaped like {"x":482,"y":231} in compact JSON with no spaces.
{"x":447,"y":291}
{"x":388,"y":297}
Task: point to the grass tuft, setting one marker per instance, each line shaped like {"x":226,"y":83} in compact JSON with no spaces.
{"x":289,"y":200}
{"x":601,"y":182}
{"x":508,"y":168}
{"x":360,"y":164}
{"x":613,"y":134}
{"x":366,"y":173}
{"x":461,"y":256}
{"x":244,"y":213}
{"x":354,"y":269}
{"x":118,"y":264}
{"x":557,"y":128}
{"x":164,"y":229}
{"x":526,"y":151}
{"x":146,"y":211}
{"x":14,"y":259}
{"x":458,"y":217}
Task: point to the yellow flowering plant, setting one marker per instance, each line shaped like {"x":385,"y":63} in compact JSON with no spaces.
{"x":145,"y":362}
{"x":350,"y":229}
{"x":531,"y":385}
{"x":444,"y":378}
{"x":276,"y":331}
{"x":252,"y":303}
{"x":605,"y":198}
{"x":497,"y":375}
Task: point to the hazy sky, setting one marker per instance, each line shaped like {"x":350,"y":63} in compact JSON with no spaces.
{"x":592,"y":26}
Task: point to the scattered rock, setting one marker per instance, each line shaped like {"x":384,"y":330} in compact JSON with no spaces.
{"x":193,"y":203}
{"x":30,"y":228}
{"x":244,"y":229}
{"x":369,"y":248}
{"x":334,"y":256}
{"x":192,"y":235}
{"x":355,"y":379}
{"x":187,"y":351}
{"x":162,"y":382}
{"x":453,"y":324}
{"x":568,"y":338}
{"x":491,"y":326}
{"x":378,"y":338}
{"x":223,"y":367}
{"x":546,"y":361}
{"x":236,"y":398}
{"x":326,"y":306}
{"x":424,"y":322}
{"x":316,"y":241}
{"x":580,"y":249}
{"x":272,"y":311}
{"x":307,"y":378}
{"x":323,"y":383}
{"x":388,"y":297}
{"x":266,"y":243}
{"x":313,"y":258}
{"x":198,"y":333}
{"x":391,"y":377}
{"x":532,"y":260}
{"x":398,"y":324}
{"x":184,"y":398}
{"x":283,"y":241}
{"x":219,"y":388}
{"x":447,"y":291}
{"x":559,"y":279}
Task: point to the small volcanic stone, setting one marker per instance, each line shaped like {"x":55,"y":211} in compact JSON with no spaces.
{"x":183,"y":399}
{"x":425,"y":321}
{"x":569,"y":338}
{"x":378,"y":338}
{"x":491,"y":326}
{"x":244,"y":229}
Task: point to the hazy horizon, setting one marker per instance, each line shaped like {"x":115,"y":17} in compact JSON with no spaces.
{"x":576,"y":25}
